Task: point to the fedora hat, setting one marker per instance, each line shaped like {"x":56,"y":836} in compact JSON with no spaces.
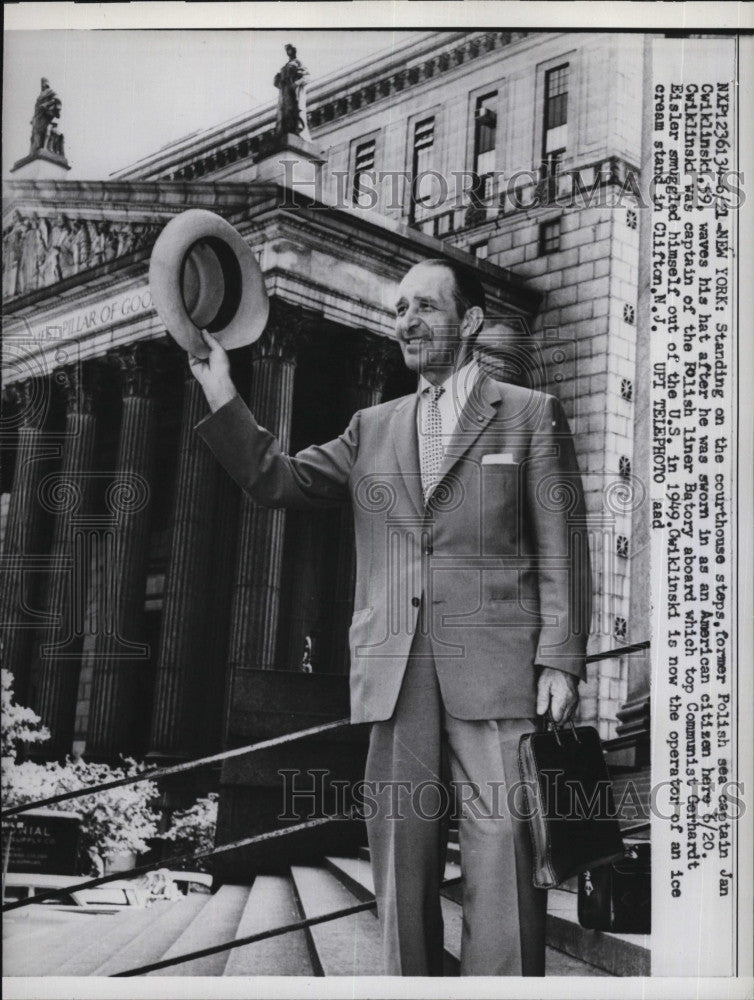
{"x":204,"y":276}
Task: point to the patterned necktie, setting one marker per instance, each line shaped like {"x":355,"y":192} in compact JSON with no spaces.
{"x":430,"y":442}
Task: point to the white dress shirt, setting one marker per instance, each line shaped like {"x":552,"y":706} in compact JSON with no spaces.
{"x":457,"y":389}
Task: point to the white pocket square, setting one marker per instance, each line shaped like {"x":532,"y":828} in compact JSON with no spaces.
{"x":500,"y":458}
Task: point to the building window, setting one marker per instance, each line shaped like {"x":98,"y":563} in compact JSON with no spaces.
{"x":632,"y":220}
{"x":363,"y":163}
{"x":621,"y":546}
{"x":549,"y":237}
{"x":444,"y":224}
{"x":624,"y":467}
{"x":423,"y":156}
{"x":485,"y":132}
{"x":480,"y":251}
{"x":628,"y":313}
{"x":556,"y":108}
{"x":555,"y":132}
{"x":626,"y":389}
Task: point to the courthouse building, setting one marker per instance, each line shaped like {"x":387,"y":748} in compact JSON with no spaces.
{"x":143,"y":596}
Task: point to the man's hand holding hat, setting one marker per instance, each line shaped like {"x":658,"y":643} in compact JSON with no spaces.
{"x":213,"y":373}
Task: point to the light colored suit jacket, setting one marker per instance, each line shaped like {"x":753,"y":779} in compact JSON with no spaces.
{"x":499,"y":554}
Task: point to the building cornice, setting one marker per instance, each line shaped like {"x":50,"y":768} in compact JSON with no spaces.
{"x":151,"y":204}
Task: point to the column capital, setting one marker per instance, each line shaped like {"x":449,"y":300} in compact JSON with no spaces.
{"x":81,"y":385}
{"x":283,"y":334}
{"x":28,"y":400}
{"x":139,"y":366}
{"x":372,"y":359}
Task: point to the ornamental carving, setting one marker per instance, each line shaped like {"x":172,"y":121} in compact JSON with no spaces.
{"x":39,"y":251}
{"x":81,"y":385}
{"x":372,"y":360}
{"x":284,"y":334}
{"x":139,"y":366}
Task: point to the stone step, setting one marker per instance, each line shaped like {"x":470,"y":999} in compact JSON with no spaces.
{"x":356,"y":876}
{"x":105,"y":944}
{"x":33,"y":945}
{"x":349,"y":946}
{"x":98,"y":942}
{"x":78,"y":945}
{"x":31,"y":924}
{"x":215,"y":923}
{"x":616,"y":954}
{"x":271,"y":903}
{"x":151,"y":943}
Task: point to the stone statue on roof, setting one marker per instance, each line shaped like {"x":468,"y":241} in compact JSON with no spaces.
{"x":291,"y":82}
{"x":46,"y":112}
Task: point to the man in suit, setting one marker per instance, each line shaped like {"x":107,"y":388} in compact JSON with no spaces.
{"x":472,"y":606}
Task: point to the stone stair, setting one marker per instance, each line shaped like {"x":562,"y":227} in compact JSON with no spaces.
{"x":102,"y":945}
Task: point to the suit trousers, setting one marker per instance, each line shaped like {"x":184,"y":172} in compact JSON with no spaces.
{"x":409,"y":756}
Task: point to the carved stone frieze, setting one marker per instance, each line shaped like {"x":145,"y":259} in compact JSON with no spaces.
{"x":39,"y":251}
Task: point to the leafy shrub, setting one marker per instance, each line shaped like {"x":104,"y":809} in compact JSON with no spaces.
{"x":19,"y":724}
{"x":193,"y":830}
{"x":115,"y":821}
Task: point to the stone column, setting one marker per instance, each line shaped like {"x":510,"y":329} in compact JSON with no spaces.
{"x":217,"y":692}
{"x":256,"y":591}
{"x":177,"y":714}
{"x":120,"y":654}
{"x":370,"y":363}
{"x":30,"y":403}
{"x":70,"y":495}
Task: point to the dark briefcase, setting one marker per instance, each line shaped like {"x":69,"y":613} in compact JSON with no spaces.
{"x":618,"y":896}
{"x":569,"y":803}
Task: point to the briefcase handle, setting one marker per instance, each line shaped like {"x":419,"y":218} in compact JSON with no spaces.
{"x":553,"y":725}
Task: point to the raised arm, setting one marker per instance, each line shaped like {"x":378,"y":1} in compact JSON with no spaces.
{"x":316,"y":476}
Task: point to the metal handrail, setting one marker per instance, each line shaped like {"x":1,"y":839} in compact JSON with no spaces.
{"x":142,"y":970}
{"x":610,"y":654}
{"x":156,"y":773}
{"x":189,"y":765}
{"x":162,"y":772}
{"x":259,"y":838}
